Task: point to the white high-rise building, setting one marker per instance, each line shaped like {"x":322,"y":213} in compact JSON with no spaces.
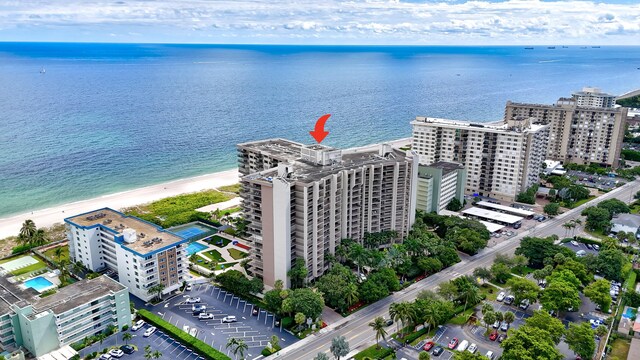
{"x":501,"y":160}
{"x":142,"y":254}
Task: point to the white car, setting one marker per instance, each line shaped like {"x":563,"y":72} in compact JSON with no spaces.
{"x":116,"y":353}
{"x":489,"y":355}
{"x":574,"y":243}
{"x":501,"y":296}
{"x":105,"y":357}
{"x":472,"y":348}
{"x":189,"y":287}
{"x":198,"y":308}
{"x":137,"y":325}
{"x":149,"y":331}
{"x":204,"y":316}
{"x":463,"y":345}
{"x":229,"y":319}
{"x":193,"y":300}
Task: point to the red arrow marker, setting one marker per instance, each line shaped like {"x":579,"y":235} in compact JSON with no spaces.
{"x":318,"y":133}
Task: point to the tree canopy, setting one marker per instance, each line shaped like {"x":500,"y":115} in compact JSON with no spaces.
{"x":581,"y":339}
{"x":543,"y":320}
{"x":530,"y":343}
{"x":598,"y":292}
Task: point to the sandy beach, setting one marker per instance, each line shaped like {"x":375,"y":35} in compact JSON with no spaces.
{"x":46,"y":217}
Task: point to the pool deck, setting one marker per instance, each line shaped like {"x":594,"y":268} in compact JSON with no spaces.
{"x":225,"y":255}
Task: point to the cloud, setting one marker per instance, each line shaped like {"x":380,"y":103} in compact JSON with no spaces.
{"x":329,"y":21}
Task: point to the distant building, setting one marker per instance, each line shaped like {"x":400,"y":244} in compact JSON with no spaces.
{"x":141,"y":253}
{"x":584,"y":129}
{"x":501,"y":159}
{"x":300,"y":200}
{"x":43,"y":325}
{"x":438,"y":184}
{"x":625,"y":222}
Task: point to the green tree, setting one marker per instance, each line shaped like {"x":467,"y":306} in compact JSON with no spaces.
{"x":509,"y":317}
{"x":359,"y":255}
{"x":565,"y":275}
{"x":306,"y":301}
{"x":482,"y":273}
{"x":337,"y":287}
{"x":299,"y":318}
{"x":403,"y":312}
{"x":27,"y":232}
{"x":126,"y":336}
{"x":536,"y":250}
{"x":601,"y":330}
{"x":580,"y":339}
{"x":351,"y":294}
{"x":523,"y":288}
{"x":156,"y":290}
{"x":156,"y":354}
{"x":424,"y":356}
{"x":578,"y":269}
{"x":339,"y":347}
{"x":378,"y":326}
{"x":467,"y":240}
{"x":542,"y":320}
{"x":598,"y":292}
{"x":372,"y":291}
{"x":597,"y":218}
{"x":298,"y":274}
{"x":147,"y":352}
{"x":321,"y":356}
{"x":551,"y":209}
{"x":614,"y":206}
{"x":501,"y":272}
{"x":529,"y":343}
{"x":610,"y":263}
{"x":454,"y":205}
{"x":273,"y":300}
{"x":465,"y":355}
{"x":238,"y":346}
{"x":489,"y":318}
{"x":560,"y":296}
{"x":448,"y":290}
{"x":429,"y":265}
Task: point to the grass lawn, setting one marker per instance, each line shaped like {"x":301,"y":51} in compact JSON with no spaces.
{"x":490,"y":291}
{"x":33,"y":267}
{"x":580,"y":202}
{"x":193,"y":273}
{"x":51,"y":253}
{"x":522,"y":270}
{"x":225,"y":266}
{"x":462,"y":318}
{"x":235,"y":188}
{"x":428,"y":335}
{"x":373,"y":352}
{"x":215,"y":255}
{"x":620,"y":349}
{"x":236,"y":254}
{"x":214,"y":240}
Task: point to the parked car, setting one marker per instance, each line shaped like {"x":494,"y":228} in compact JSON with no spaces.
{"x":463,"y":345}
{"x":453,"y":343}
{"x":502,"y":337}
{"x":472,"y":348}
{"x":501,"y":296}
{"x":581,"y":253}
{"x":229,"y":319}
{"x":496,"y":324}
{"x":205,"y":316}
{"x":437,"y":351}
{"x":428,"y":346}
{"x":596,"y":247}
{"x":388,"y":322}
{"x":589,"y":246}
{"x":188,"y":287}
{"x":149,"y":331}
{"x":105,"y":356}
{"x":137,"y":325}
{"x":193,"y":300}
{"x":509,"y":299}
{"x":117,"y":353}
{"x":504,"y":326}
{"x":574,"y":243}
{"x":255,"y":311}
{"x":524,"y":304}
{"x":489,"y":355}
{"x":198,"y":309}
{"x":127,"y":349}
{"x":493,"y":336}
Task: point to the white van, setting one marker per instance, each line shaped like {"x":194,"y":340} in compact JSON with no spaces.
{"x":463,"y":345}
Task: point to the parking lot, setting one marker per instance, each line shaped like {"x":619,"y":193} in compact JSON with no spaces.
{"x":256,"y":331}
{"x":158,"y":341}
{"x":580,"y":246}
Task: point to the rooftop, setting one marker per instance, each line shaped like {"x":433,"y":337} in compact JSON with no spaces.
{"x":11,"y":294}
{"x":150,"y":237}
{"x":630,"y":220}
{"x":446,"y":166}
{"x":492,"y":215}
{"x":634,"y":349}
{"x":77,"y":294}
{"x":276,"y":148}
{"x":495,"y":127}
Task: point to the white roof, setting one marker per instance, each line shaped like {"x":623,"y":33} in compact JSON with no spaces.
{"x":492,"y":215}
{"x":492,"y":227}
{"x":64,"y":353}
{"x":509,"y":209}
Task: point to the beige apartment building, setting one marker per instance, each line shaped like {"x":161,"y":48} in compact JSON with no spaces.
{"x":501,"y":159}
{"x":584,"y":129}
{"x":301,"y":200}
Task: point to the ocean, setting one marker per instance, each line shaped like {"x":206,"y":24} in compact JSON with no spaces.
{"x":105,"y":118}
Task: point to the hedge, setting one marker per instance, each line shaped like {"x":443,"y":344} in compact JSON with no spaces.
{"x":193,"y":343}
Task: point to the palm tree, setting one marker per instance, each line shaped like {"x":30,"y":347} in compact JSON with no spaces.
{"x":509,"y":317}
{"x":486,"y":308}
{"x":359,"y":255}
{"x":147,"y":352}
{"x":403,"y":311}
{"x":489,"y":318}
{"x":157,"y":290}
{"x":64,"y":272}
{"x":58,"y":252}
{"x":378,"y":327}
{"x":499,"y":316}
{"x":351,"y":294}
{"x":126,"y":336}
{"x":430,"y":315}
{"x":237,"y":346}
{"x":27,"y":231}
{"x":156,"y":354}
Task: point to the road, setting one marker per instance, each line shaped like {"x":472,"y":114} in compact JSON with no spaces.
{"x":355,"y":327}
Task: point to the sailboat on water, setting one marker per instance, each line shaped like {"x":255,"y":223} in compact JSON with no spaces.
{"x":42,"y":71}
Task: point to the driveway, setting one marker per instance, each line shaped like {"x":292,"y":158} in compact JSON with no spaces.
{"x":580,"y":246}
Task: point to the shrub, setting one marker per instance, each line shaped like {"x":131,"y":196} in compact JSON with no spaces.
{"x":22,"y":248}
{"x":287,"y":322}
{"x":125,"y":328}
{"x":197,"y":345}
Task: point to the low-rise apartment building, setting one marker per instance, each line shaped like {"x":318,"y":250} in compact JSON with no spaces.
{"x":42,"y":325}
{"x":438,"y":184}
{"x":141,"y":253}
{"x":315,"y":196}
{"x":584,"y":129}
{"x":501,"y":159}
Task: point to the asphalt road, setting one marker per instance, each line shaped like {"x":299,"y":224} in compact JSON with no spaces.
{"x":355,"y":327}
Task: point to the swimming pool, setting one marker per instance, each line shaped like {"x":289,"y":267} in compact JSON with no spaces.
{"x":628,"y":313}
{"x":39,"y":284}
{"x":194,"y":247}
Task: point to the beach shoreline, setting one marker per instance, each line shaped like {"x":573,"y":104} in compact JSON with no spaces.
{"x":10,"y":225}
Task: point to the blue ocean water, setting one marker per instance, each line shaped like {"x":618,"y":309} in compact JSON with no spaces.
{"x":110,"y":117}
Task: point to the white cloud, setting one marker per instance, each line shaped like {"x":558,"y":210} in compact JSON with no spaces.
{"x":329,"y":21}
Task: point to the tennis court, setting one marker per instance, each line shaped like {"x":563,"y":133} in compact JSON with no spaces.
{"x":192,"y":230}
{"x":18,"y":263}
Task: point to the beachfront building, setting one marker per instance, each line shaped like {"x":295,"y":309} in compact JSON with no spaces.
{"x":141,"y":253}
{"x":438,"y":184}
{"x":315,"y":195}
{"x":586,"y":128}
{"x":501,"y":159}
{"x":51,"y":324}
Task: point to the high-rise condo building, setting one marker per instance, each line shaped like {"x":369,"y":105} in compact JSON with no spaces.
{"x":73,"y":313}
{"x":584,"y":129}
{"x":501,"y":159}
{"x":300,"y":200}
{"x":141,"y":253}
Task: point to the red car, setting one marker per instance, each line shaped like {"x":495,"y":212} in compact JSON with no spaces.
{"x":428,"y":346}
{"x":493,"y":336}
{"x":453,"y":343}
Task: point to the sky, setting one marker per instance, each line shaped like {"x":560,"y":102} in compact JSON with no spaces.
{"x":366,"y":22}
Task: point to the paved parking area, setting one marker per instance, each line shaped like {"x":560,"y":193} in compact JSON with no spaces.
{"x":580,"y":246}
{"x":158,"y":341}
{"x":256,"y":331}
